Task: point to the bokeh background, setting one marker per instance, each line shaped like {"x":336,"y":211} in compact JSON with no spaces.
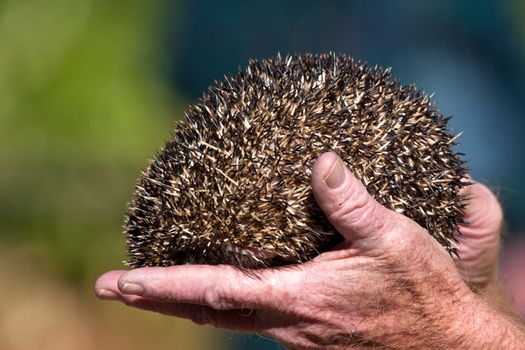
{"x":90,"y":89}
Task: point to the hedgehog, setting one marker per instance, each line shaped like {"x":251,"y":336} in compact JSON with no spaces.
{"x":232,"y":186}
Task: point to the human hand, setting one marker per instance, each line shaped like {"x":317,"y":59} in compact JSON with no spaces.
{"x":388,"y":285}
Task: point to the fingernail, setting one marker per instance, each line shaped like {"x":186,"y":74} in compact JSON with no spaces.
{"x":336,"y":175}
{"x":132,"y":288}
{"x":106,"y":294}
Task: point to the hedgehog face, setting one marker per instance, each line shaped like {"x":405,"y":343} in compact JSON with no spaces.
{"x":233,"y":185}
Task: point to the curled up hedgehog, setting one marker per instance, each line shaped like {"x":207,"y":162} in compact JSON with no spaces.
{"x":233,"y":185}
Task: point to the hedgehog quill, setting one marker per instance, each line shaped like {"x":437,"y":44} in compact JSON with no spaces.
{"x":233,"y":184}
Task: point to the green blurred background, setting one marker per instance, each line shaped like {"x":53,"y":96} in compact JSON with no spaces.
{"x":90,"y":89}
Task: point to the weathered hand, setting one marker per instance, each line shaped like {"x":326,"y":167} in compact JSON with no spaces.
{"x":389,"y":285}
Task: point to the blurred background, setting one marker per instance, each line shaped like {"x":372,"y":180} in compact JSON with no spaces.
{"x":90,"y":89}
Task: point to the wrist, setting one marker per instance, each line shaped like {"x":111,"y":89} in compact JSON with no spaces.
{"x":494,"y":292}
{"x":475,"y":323}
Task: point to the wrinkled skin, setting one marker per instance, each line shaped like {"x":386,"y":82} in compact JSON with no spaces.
{"x":389,"y":285}
{"x":479,"y":246}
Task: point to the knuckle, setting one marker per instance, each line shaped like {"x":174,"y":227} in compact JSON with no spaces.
{"x":351,"y":200}
{"x":365,"y":214}
{"x":216,"y":298}
{"x":404,"y":237}
{"x":360,"y":210}
{"x":408,"y":233}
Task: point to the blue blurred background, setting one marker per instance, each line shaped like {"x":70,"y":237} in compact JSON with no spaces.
{"x":89,"y":90}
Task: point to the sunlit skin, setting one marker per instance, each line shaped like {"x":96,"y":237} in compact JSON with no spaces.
{"x":389,"y":285}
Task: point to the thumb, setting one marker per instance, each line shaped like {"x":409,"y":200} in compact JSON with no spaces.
{"x":479,"y":244}
{"x":347,"y":204}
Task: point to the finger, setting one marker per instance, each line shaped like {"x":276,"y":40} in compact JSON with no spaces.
{"x":480,"y":236}
{"x":483,"y":213}
{"x":238,"y":319}
{"x":346,"y":202}
{"x":478,"y":247}
{"x":106,"y":287}
{"x":219,"y":287}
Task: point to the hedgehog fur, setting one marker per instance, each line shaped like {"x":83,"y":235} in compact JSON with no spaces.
{"x":233,"y":185}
